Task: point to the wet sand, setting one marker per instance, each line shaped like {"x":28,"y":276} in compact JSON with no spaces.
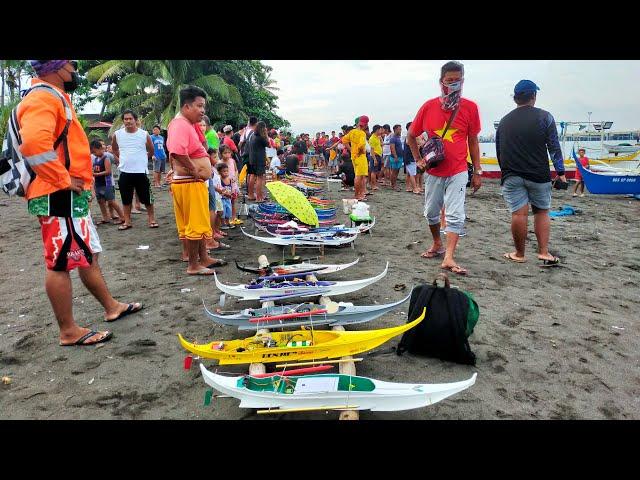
{"x":555,"y":343}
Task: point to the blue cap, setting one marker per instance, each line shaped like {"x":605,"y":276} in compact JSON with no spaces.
{"x":525,"y":86}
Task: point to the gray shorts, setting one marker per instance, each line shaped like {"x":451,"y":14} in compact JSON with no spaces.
{"x":159,"y":165}
{"x":385,"y":161}
{"x":450,"y":193}
{"x":105,"y":193}
{"x":518,"y":192}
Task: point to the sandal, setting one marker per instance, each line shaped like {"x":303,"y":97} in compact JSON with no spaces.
{"x":433,"y":253}
{"x":82,"y":341}
{"x":153,"y":225}
{"x":124,"y":226}
{"x":131,"y":308}
{"x":457,"y":269}
{"x":102,"y":222}
{"x":509,"y":256}
{"x":203,"y":271}
{"x":550,"y":263}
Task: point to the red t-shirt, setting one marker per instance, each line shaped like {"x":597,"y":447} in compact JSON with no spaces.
{"x":230,"y":143}
{"x":183,"y":138}
{"x":431,"y":118}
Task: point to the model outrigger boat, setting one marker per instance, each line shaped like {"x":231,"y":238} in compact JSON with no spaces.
{"x":296,"y":345}
{"x":278,"y":287}
{"x":303,"y":314}
{"x":330,"y":392}
{"x":314,"y":239}
{"x":301,"y":267}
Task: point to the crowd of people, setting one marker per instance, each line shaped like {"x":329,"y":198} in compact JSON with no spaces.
{"x":203,"y":167}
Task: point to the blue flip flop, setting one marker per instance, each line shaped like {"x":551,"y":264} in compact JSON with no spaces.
{"x":81,"y":340}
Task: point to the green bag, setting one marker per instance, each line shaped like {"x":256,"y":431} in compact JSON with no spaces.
{"x":473,"y":315}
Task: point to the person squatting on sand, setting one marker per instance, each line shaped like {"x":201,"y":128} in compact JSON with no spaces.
{"x":522,"y":139}
{"x":191,"y":169}
{"x":445,"y":183}
{"x":58,"y":196}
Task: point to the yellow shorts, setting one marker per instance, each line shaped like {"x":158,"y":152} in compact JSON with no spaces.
{"x":191,"y":206}
{"x":361,"y":166}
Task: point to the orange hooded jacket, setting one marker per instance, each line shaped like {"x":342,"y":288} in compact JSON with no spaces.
{"x":42,"y":118}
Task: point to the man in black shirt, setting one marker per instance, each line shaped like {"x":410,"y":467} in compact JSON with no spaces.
{"x":523,"y":138}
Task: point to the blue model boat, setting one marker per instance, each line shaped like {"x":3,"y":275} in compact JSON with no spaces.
{"x":608,"y":183}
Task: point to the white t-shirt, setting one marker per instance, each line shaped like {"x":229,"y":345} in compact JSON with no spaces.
{"x":133,"y":150}
{"x":386,"y":148}
{"x":275,"y":164}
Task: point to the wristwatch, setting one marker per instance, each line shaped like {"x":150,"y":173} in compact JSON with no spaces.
{"x":478,"y":172}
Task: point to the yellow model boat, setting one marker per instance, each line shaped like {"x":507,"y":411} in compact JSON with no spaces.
{"x":296,"y":345}
{"x":568,"y":162}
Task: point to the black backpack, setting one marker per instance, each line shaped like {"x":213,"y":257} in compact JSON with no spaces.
{"x":442,"y":334}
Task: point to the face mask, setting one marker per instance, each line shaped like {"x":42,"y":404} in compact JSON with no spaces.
{"x":451,"y":94}
{"x":71,"y":85}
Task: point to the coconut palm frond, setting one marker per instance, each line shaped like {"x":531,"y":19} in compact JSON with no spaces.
{"x":135,"y":82}
{"x":214,"y":86}
{"x":109,"y":69}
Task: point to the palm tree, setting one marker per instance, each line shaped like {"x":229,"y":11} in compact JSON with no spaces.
{"x":151,"y":88}
{"x":5,"y":112}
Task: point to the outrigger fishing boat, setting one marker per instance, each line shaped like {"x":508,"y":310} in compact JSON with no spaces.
{"x":289,"y":286}
{"x":315,"y":239}
{"x":292,"y":228}
{"x":303,"y":314}
{"x":330,"y":392}
{"x":296,"y":345}
{"x":611,"y":182}
{"x":302,"y":267}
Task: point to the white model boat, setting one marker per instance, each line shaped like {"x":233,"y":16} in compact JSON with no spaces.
{"x":273,"y":290}
{"x":303,"y":314}
{"x":328,"y":391}
{"x":622,"y":148}
{"x":315,"y":268}
{"x":304,"y":239}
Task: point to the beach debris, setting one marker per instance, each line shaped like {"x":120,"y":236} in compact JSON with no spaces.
{"x":20,"y":316}
{"x":207,"y":397}
{"x":187,"y":362}
{"x":553,"y":344}
{"x":91,"y":381}
{"x":22,"y":269}
{"x":185,"y":290}
{"x":398,"y":287}
{"x":617,"y":328}
{"x":597,"y":311}
{"x":6,"y":380}
{"x":143,"y":247}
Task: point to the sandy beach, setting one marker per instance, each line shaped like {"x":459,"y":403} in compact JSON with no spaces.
{"x":551,"y":343}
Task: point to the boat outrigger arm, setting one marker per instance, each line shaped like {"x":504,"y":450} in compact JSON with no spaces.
{"x":306,"y":289}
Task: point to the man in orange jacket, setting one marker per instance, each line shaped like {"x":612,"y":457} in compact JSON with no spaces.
{"x":59,"y":196}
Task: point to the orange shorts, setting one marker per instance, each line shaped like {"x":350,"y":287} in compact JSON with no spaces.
{"x":191,"y":206}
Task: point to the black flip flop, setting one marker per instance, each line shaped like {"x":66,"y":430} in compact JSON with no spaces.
{"x":80,"y":341}
{"x":551,"y":263}
{"x":129,"y":310}
{"x":124,"y":226}
{"x":218,"y":263}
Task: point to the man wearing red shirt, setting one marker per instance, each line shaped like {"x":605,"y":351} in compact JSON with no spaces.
{"x":445,"y":183}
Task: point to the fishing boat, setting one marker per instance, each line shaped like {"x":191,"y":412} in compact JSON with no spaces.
{"x":303,"y":314}
{"x":275,"y":290}
{"x":296,"y":345}
{"x":328,"y":391}
{"x":317,"y":269}
{"x":611,"y":182}
{"x":318,"y":239}
{"x":622,"y":148}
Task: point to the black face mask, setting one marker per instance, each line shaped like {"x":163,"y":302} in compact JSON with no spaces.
{"x":73,"y":84}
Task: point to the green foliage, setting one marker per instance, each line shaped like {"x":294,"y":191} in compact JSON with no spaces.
{"x":5,"y":113}
{"x":236,"y":89}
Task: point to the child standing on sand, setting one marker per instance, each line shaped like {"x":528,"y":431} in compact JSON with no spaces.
{"x":584,"y":161}
{"x":227,"y":157}
{"x":225,"y":179}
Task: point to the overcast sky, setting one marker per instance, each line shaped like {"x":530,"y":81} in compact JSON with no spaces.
{"x":317,"y":95}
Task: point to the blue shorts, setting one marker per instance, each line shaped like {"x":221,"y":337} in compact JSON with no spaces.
{"x":159,"y":165}
{"x":395,"y":164}
{"x":212,"y":202}
{"x":518,"y":192}
{"x":375,"y":163}
{"x":226,"y":208}
{"x":105,"y":193}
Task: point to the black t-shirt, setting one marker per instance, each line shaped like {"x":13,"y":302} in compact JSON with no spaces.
{"x":291,"y":163}
{"x":522,"y":139}
{"x":257,"y":146}
{"x":300,"y":147}
{"x":236,"y":138}
{"x":347,"y":168}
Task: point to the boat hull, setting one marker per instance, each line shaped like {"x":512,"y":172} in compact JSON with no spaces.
{"x":337,"y":288}
{"x":608,"y":183}
{"x":385,"y":396}
{"x":340,"y":344}
{"x":302,"y":241}
{"x":348,"y":314}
